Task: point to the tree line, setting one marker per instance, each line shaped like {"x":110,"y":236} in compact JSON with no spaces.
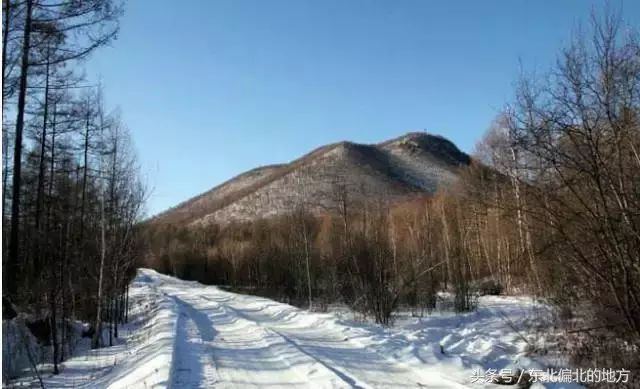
{"x":549,"y":206}
{"x":72,"y":192}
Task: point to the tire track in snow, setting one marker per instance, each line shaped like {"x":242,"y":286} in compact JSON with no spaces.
{"x":352,"y":370}
{"x":260,"y":343}
{"x":231,"y":350}
{"x":295,"y":369}
{"x":194,"y":333}
{"x":316,"y":371}
{"x":287,"y":316}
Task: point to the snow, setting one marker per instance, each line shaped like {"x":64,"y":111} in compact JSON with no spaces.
{"x":187,"y":335}
{"x":142,"y":358}
{"x":15,"y":356}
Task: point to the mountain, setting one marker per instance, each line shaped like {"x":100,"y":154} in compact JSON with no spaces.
{"x":414,"y":164}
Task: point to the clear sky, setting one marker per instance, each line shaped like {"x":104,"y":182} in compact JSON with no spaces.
{"x":211,"y":88}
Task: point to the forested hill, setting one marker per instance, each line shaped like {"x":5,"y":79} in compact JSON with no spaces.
{"x":411,"y":165}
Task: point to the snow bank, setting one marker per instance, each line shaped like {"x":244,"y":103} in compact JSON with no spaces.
{"x":141,"y":358}
{"x":148,"y":360}
{"x":18,"y":345}
{"x":498,"y":335}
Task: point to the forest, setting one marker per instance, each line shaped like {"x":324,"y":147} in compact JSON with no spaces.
{"x":72,"y":193}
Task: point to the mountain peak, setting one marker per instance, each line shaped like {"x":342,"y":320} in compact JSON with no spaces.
{"x":436,"y":145}
{"x":410,"y":165}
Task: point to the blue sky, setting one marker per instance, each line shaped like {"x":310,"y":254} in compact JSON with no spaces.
{"x":211,"y":88}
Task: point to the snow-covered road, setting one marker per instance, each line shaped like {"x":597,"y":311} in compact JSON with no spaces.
{"x":187,"y":335}
{"x":226,"y":340}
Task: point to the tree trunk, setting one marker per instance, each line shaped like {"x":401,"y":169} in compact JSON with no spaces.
{"x":524,"y":235}
{"x":54,"y":324}
{"x":41,"y":235}
{"x":43,"y":141}
{"x":126,"y":305}
{"x":5,"y":39}
{"x":307,"y":259}
{"x":5,"y":148}
{"x":116,"y":314}
{"x":5,"y":172}
{"x":103,"y":245}
{"x":110,"y":310}
{"x":14,"y":247}
{"x":447,"y":246}
{"x":98,"y":327}
{"x":85,"y":171}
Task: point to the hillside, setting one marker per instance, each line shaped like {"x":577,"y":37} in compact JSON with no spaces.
{"x":397,"y":169}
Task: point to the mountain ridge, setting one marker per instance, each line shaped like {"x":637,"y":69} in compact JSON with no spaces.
{"x":409,"y":165}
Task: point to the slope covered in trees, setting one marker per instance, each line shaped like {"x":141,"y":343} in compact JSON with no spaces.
{"x":397,"y":169}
